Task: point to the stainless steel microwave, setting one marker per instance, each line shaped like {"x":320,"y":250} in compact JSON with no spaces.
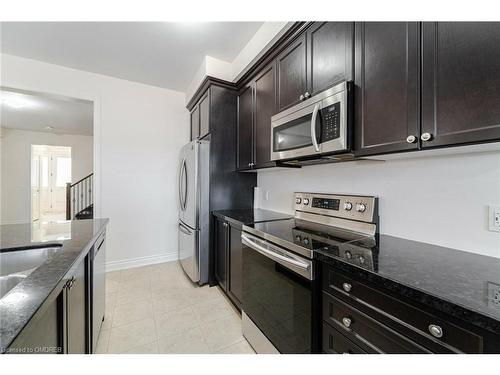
{"x":317,"y":126}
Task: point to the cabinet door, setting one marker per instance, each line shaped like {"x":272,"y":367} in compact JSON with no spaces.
{"x":195,"y":123}
{"x":221,"y":239}
{"x":235,"y":264}
{"x":76,"y":311}
{"x":265,"y":108}
{"x":386,"y":87}
{"x":245,"y":129}
{"x":330,"y":49}
{"x":461,"y":82}
{"x":291,"y":73}
{"x":204,"y":108}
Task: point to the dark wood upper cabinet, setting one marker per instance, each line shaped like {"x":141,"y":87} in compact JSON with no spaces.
{"x":195,"y":122}
{"x":330,"y":49}
{"x":204,"y":108}
{"x":460,"y":82}
{"x":291,"y":68}
{"x":265,"y":108}
{"x":245,"y":129}
{"x":387,"y":85}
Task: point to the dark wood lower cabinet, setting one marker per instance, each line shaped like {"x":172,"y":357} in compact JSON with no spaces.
{"x":228,"y":259}
{"x":77,"y":319}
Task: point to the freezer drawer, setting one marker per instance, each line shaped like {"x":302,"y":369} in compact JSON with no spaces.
{"x":189,"y":255}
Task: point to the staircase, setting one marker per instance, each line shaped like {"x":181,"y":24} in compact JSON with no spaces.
{"x":80,"y":199}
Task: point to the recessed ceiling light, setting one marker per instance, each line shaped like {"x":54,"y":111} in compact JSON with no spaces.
{"x":15,"y":100}
{"x":49,"y":128}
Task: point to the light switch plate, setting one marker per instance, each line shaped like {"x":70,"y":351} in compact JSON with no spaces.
{"x":494,"y":218}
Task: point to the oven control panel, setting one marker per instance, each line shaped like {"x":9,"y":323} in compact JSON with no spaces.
{"x":353,"y":207}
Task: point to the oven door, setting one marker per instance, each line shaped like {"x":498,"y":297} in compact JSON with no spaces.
{"x":277,"y":294}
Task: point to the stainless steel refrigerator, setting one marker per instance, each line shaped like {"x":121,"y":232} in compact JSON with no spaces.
{"x":193,"y":227}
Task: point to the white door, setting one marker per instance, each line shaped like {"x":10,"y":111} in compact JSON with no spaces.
{"x":35,"y":187}
{"x":60,"y":175}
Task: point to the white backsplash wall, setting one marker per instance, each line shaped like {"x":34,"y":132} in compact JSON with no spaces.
{"x":440,"y":200}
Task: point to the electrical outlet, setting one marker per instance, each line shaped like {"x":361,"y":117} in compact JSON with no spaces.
{"x":494,"y":218}
{"x":493,"y":294}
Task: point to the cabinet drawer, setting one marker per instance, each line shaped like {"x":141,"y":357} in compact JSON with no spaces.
{"x":400,"y":313}
{"x":336,"y":343}
{"x":364,"y":330}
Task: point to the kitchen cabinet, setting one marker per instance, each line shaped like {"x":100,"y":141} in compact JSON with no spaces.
{"x":330,"y":48}
{"x":460,"y":83}
{"x":77,"y":303}
{"x":387,"y":88}
{"x":256,"y":106}
{"x":245,"y":129}
{"x":204,"y":108}
{"x":228,"y":253}
{"x":291,"y":74}
{"x":195,"y":122}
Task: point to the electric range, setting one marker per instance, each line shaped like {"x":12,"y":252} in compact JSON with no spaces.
{"x":279,"y":274}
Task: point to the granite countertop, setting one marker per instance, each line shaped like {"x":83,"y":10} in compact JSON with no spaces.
{"x":251,"y":216}
{"x":71,"y":240}
{"x":455,"y":282}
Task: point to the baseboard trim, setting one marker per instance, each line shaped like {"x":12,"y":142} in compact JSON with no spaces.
{"x":141,"y":261}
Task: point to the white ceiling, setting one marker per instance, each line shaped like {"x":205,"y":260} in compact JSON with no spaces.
{"x":36,"y":112}
{"x":164,"y":54}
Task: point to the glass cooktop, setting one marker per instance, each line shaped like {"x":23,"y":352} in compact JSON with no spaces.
{"x":305,"y":237}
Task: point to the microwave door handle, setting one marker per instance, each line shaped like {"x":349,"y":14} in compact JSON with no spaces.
{"x":313,"y":127}
{"x":272,"y":254}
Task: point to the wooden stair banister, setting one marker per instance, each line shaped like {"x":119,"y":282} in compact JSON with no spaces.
{"x":79,"y":196}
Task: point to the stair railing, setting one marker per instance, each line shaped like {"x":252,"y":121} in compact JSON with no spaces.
{"x":79,"y":196}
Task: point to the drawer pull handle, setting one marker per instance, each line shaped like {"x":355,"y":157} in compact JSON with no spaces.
{"x":346,"y":322}
{"x":436,"y":331}
{"x":347,"y":287}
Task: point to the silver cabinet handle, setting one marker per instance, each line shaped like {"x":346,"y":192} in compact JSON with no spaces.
{"x":272,"y":254}
{"x":313,"y":127}
{"x":307,"y":95}
{"x":346,"y":322}
{"x":301,"y":97}
{"x":426,"y":137}
{"x":411,"y":139}
{"x":347,"y":287}
{"x":436,"y":331}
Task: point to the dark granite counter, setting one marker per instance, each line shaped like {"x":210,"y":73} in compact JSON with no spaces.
{"x":454,"y":282}
{"x":69,"y":241}
{"x":250,"y":216}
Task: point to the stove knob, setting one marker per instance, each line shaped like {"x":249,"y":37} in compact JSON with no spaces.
{"x":298,"y":200}
{"x":348,"y":206}
{"x":298,"y":238}
{"x":306,"y":201}
{"x":361,"y":259}
{"x":306,"y":241}
{"x":348,"y":254}
{"x":361,"y":207}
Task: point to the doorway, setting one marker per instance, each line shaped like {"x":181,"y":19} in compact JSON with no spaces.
{"x":50,"y":172}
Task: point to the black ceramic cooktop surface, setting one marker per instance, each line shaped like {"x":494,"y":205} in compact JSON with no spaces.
{"x":468,"y":282}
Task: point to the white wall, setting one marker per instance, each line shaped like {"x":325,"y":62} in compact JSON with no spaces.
{"x":15,"y":148}
{"x":439,"y":200}
{"x":139,"y":130}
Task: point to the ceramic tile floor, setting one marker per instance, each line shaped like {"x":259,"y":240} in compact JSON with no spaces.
{"x":157,"y":310}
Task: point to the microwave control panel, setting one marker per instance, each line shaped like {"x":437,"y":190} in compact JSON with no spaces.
{"x":330,"y":128}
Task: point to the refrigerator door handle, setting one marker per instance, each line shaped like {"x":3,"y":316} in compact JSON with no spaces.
{"x":184,"y":229}
{"x":185,"y":185}
{"x":181,"y":178}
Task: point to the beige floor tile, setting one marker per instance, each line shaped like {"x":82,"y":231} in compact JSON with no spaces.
{"x":135,"y":283}
{"x":175,"y":323}
{"x":133,"y":296}
{"x":112,"y":286}
{"x":204,"y":293}
{"x":132,"y":335}
{"x":103,"y":341}
{"x":210,"y":310}
{"x":169,"y":302}
{"x":221,"y":333}
{"x":151,"y":348}
{"x":190,"y":342}
{"x":108,"y":319}
{"x":242,"y":347}
{"x":113,"y":276}
{"x":131,"y":312}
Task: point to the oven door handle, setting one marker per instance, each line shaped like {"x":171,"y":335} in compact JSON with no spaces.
{"x":313,"y":127}
{"x":272,"y":254}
